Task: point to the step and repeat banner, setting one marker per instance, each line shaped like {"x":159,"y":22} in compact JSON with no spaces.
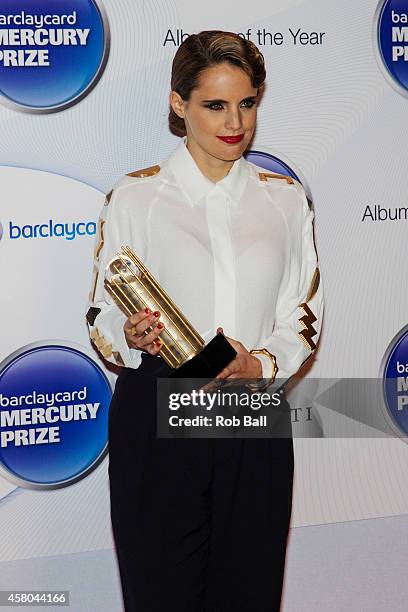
{"x":84,"y":90}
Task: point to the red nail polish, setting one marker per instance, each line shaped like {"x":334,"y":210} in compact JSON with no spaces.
{"x":158,"y":343}
{"x":147,"y":310}
{"x":156,"y":313}
{"x":160,"y":325}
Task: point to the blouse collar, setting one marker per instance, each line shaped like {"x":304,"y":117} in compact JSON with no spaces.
{"x":196,"y":186}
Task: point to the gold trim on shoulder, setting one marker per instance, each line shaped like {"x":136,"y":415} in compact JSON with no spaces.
{"x":263,"y":176}
{"x":314,"y":285}
{"x":309,"y":331}
{"x":151,"y":171}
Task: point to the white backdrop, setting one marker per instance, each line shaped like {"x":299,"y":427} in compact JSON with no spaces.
{"x":329,"y":111}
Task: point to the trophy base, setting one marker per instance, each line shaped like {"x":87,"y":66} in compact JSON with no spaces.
{"x":209,"y":362}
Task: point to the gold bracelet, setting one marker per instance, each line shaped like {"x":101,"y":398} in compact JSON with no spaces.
{"x":262,"y":387}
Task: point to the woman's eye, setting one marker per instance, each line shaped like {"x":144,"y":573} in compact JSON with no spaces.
{"x":214,"y":106}
{"x":248,"y":103}
{"x":219,"y":105}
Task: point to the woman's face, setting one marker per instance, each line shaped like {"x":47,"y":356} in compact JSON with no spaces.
{"x":220,"y":115}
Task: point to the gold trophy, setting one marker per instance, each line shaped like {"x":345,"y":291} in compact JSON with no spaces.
{"x":134,"y":288}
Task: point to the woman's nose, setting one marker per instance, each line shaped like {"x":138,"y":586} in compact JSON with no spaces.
{"x":233,"y":120}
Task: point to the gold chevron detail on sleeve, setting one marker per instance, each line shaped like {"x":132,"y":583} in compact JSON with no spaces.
{"x":101,"y":239}
{"x":118,"y":358}
{"x":108,"y":197}
{"x":314,"y":285}
{"x":92,"y":314}
{"x":263,"y":176}
{"x":309,"y":331}
{"x":151,"y":171}
{"x":100,"y":343}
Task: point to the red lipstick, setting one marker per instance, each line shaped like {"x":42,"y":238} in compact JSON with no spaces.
{"x":231,"y":139}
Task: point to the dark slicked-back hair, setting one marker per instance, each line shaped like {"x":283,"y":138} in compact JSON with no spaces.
{"x":206,"y":49}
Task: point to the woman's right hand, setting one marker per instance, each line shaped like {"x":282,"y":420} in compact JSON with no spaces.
{"x":135,"y":327}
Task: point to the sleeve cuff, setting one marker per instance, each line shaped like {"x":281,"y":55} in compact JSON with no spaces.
{"x":267,"y":369}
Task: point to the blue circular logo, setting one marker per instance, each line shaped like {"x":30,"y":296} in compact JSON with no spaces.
{"x":54,"y":408}
{"x":395,"y":380}
{"x":391,"y":35}
{"x":51,"y":53}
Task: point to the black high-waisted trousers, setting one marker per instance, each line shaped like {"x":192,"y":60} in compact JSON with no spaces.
{"x":199,"y":524}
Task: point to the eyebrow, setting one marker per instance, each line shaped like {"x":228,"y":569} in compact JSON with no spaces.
{"x":217,"y":100}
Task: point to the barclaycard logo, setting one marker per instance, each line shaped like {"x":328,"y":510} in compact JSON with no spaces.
{"x":54,"y":408}
{"x":52,"y":54}
{"x":50,"y":229}
{"x":394,"y":373}
{"x":390,"y":37}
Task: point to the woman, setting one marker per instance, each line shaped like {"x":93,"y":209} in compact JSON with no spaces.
{"x":201,"y":524}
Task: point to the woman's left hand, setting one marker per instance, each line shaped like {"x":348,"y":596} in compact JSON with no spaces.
{"x":244,"y":365}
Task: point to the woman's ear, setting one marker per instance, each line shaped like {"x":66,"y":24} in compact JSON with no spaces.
{"x":177,"y":104}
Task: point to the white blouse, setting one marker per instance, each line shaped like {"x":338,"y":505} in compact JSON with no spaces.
{"x":237,"y":254}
